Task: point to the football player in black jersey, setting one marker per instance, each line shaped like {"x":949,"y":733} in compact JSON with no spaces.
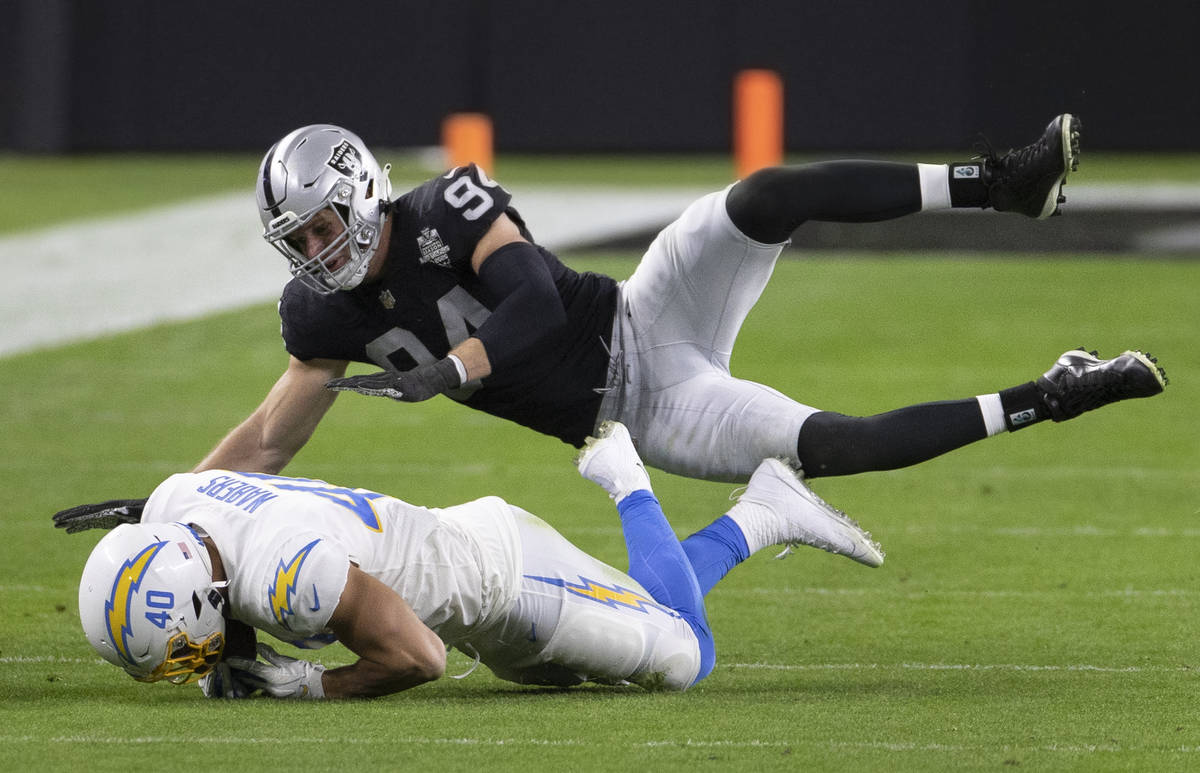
{"x":445,"y":289}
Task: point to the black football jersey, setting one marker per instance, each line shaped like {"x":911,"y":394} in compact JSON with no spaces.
{"x":430,"y":300}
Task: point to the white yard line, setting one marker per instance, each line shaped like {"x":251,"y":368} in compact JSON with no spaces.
{"x":800,"y":741}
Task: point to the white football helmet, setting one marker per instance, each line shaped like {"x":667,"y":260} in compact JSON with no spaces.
{"x":324,"y":167}
{"x":148,"y":603}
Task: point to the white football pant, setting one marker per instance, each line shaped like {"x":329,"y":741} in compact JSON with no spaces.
{"x":677,"y":319}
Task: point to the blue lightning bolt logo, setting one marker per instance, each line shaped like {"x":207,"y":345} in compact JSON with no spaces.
{"x":117,"y":608}
{"x":611,"y":596}
{"x":283,"y":590}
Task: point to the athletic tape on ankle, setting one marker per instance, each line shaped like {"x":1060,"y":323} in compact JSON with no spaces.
{"x":935,"y":186}
{"x":993,"y":413}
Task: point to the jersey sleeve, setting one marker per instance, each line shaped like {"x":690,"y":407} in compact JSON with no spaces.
{"x":460,"y":207}
{"x":302,"y":325}
{"x":315,"y":326}
{"x":302,"y":585}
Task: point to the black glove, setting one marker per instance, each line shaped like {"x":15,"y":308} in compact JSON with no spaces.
{"x":104,"y":515}
{"x":411,"y":386}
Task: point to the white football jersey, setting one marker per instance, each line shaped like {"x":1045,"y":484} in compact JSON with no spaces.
{"x":287,"y":544}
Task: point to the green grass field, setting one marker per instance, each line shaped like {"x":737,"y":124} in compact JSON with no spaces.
{"x":1036,"y":609}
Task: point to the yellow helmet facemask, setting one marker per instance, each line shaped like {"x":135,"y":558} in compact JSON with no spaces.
{"x":186,"y":660}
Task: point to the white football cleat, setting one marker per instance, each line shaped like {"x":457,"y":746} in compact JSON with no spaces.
{"x":778,"y":508}
{"x":610,"y":460}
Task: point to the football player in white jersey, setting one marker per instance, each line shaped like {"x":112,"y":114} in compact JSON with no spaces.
{"x":179,"y":592}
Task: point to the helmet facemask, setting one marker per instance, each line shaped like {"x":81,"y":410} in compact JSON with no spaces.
{"x":186,"y":660}
{"x":358,"y":236}
{"x":317,"y":169}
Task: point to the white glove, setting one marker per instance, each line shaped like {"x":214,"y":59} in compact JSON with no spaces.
{"x":280,"y":676}
{"x":225,"y":682}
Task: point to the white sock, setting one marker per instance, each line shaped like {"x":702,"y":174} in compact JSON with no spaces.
{"x":935,"y":186}
{"x":758,"y":524}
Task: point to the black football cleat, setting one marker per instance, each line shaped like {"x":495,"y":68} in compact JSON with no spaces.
{"x":1080,"y":381}
{"x":1029,"y":180}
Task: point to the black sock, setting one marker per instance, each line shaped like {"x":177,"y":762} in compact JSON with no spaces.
{"x":833,"y":444}
{"x":966,"y":185}
{"x":1023,"y":406}
{"x":770,"y":204}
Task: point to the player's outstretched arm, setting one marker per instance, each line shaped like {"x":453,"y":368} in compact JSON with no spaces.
{"x":396,"y":650}
{"x":268,"y":439}
{"x":528,"y":309}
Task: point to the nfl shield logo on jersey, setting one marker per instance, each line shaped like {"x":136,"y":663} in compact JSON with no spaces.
{"x":433,"y":249}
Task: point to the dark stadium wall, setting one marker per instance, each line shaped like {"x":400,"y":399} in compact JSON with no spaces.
{"x":619,"y":75}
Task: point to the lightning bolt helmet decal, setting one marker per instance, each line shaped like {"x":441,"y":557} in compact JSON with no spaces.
{"x":118,"y":606}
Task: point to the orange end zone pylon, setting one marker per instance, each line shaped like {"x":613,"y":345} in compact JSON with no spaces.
{"x":757,"y":120}
{"x":467,"y":138}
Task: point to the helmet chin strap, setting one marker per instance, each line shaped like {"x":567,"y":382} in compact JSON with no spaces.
{"x":211,"y":556}
{"x":385,"y":189}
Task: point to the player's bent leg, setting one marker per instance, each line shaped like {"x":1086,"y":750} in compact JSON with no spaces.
{"x":656,"y":559}
{"x":578,"y":619}
{"x":656,"y":654}
{"x":715,"y":550}
{"x":770,"y":204}
{"x":716,"y":427}
{"x":833,"y":444}
{"x":696,"y":283}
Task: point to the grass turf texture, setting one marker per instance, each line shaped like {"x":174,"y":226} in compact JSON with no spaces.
{"x":1037,"y":607}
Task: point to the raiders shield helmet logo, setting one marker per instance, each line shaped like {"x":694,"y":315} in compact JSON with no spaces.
{"x":345,"y":159}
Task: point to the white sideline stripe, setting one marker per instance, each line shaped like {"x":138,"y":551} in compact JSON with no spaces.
{"x":10,"y":659}
{"x":98,"y":277}
{"x":1134,"y":197}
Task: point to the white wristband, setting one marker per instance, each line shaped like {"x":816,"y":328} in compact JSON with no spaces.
{"x":458,"y":366}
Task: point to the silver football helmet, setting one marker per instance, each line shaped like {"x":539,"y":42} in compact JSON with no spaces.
{"x":312,"y":169}
{"x":148,"y":602}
